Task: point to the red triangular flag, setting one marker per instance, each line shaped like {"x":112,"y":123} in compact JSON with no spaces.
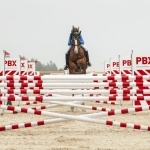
{"x":6,"y":53}
{"x":22,"y":58}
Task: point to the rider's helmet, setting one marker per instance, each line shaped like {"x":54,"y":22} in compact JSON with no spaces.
{"x":75,"y":30}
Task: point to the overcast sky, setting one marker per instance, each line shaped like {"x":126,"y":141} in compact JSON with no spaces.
{"x":40,"y":28}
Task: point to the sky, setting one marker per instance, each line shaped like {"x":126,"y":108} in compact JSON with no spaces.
{"x":40,"y":29}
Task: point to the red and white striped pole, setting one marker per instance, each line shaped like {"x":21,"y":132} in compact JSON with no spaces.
{"x":65,"y":117}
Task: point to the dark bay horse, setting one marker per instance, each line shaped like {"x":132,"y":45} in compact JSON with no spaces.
{"x":77,"y":59}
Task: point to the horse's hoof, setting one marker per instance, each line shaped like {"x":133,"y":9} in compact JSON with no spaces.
{"x":72,"y":109}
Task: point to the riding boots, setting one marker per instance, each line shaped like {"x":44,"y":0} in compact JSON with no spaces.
{"x":67,"y":62}
{"x":87,"y":58}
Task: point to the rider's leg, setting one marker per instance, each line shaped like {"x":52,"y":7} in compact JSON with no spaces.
{"x":87,"y":55}
{"x":67,"y":59}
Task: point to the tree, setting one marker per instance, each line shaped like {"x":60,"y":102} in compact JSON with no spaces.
{"x":48,"y":67}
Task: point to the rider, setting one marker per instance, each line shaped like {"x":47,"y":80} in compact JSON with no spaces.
{"x":76,"y":31}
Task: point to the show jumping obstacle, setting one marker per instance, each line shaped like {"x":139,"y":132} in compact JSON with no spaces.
{"x":64,"y":117}
{"x":94,"y":87}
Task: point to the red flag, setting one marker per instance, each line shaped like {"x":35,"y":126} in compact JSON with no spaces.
{"x":22,"y":58}
{"x":6,"y":53}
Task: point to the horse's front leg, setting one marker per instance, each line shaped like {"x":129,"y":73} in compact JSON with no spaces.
{"x":72,"y":68}
{"x":81,"y":64}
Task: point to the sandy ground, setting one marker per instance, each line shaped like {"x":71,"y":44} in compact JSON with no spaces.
{"x":75,"y":135}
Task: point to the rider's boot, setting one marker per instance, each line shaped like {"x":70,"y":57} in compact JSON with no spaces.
{"x":67,"y":62}
{"x":87,"y":58}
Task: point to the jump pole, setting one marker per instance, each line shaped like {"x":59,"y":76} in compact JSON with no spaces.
{"x":78,"y":91}
{"x":73,"y":105}
{"x":107,"y":102}
{"x":77,"y":77}
{"x":70,"y":98}
{"x":53,"y":114}
{"x":66,"y":117}
{"x":76,"y":85}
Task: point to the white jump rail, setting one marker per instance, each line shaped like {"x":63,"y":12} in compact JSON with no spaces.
{"x":78,"y":91}
{"x":76,"y":85}
{"x":76,"y":77}
{"x":72,"y":98}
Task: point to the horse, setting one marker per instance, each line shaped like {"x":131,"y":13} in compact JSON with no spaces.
{"x":77,"y":59}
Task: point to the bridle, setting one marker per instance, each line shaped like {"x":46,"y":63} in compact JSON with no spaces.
{"x":75,"y":37}
{"x":76,"y":44}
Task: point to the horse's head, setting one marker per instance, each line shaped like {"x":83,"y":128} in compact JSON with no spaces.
{"x":75,"y":39}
